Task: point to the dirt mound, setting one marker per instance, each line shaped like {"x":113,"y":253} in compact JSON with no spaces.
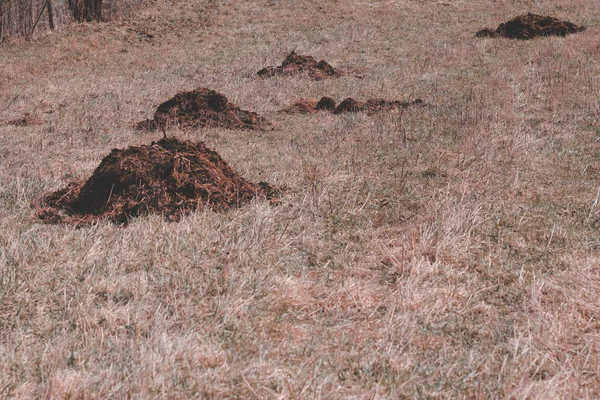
{"x":348,"y":105}
{"x":295,"y":64}
{"x":202,"y":108}
{"x":326,"y":103}
{"x":169,"y":177}
{"x":308,"y":106}
{"x":530,"y":26}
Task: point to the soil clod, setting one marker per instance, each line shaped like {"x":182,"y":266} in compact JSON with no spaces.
{"x":169,"y":177}
{"x":203,"y":108}
{"x":530,"y":26}
{"x":296,"y":64}
{"x":326,"y":103}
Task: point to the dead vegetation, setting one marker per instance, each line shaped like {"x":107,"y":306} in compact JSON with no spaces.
{"x":448,"y":251}
{"x":28,"y":119}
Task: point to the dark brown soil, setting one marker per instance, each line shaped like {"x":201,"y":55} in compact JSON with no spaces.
{"x":530,"y":26}
{"x":296,"y":64}
{"x":348,"y":105}
{"x":202,"y":108}
{"x":326,"y":103}
{"x":168,"y":177}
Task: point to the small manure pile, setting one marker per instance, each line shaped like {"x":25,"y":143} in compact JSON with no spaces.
{"x":348,"y":105}
{"x":169,"y":177}
{"x":203,"y":108}
{"x":530,"y":26}
{"x":297,"y":64}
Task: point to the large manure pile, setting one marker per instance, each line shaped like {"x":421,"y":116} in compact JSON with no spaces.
{"x":168,"y":177}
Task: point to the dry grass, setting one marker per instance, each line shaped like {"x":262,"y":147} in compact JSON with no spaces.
{"x":449,"y":251}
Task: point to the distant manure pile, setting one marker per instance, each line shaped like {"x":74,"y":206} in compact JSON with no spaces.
{"x":348,"y":105}
{"x":295,"y":64}
{"x":203,"y":107}
{"x":530,"y":26}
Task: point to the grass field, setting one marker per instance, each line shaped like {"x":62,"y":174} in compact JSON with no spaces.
{"x":449,"y":251}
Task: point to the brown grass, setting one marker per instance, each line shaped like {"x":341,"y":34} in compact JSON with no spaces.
{"x":448,"y":251}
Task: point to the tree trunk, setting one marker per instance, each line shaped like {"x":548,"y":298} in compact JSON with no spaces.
{"x":95,"y":9}
{"x":86,"y":10}
{"x":52,"y":15}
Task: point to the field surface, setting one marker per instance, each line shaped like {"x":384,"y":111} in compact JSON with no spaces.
{"x":445,"y":251}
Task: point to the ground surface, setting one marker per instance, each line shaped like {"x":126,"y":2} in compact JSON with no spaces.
{"x":449,"y":251}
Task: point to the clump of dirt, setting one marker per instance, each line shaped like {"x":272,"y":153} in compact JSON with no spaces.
{"x":27,"y":120}
{"x":326,"y":103}
{"x":530,"y":26}
{"x":296,"y":64}
{"x":169,"y":177}
{"x":348,"y":105}
{"x":203,"y":108}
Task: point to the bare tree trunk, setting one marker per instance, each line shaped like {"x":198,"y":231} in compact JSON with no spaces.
{"x":86,"y":10}
{"x":52,"y":20}
{"x":1,"y":21}
{"x":95,"y":9}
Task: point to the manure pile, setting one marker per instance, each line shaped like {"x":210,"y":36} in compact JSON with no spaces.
{"x":348,"y":105}
{"x":530,"y":26}
{"x":169,"y":177}
{"x":296,"y":64}
{"x":203,"y":107}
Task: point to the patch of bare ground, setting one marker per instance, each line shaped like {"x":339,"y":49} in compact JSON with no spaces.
{"x":447,"y":252}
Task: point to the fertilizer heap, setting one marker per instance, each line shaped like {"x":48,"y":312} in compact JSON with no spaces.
{"x":203,"y":107}
{"x":530,"y":26}
{"x":296,"y":64}
{"x":169,"y":177}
